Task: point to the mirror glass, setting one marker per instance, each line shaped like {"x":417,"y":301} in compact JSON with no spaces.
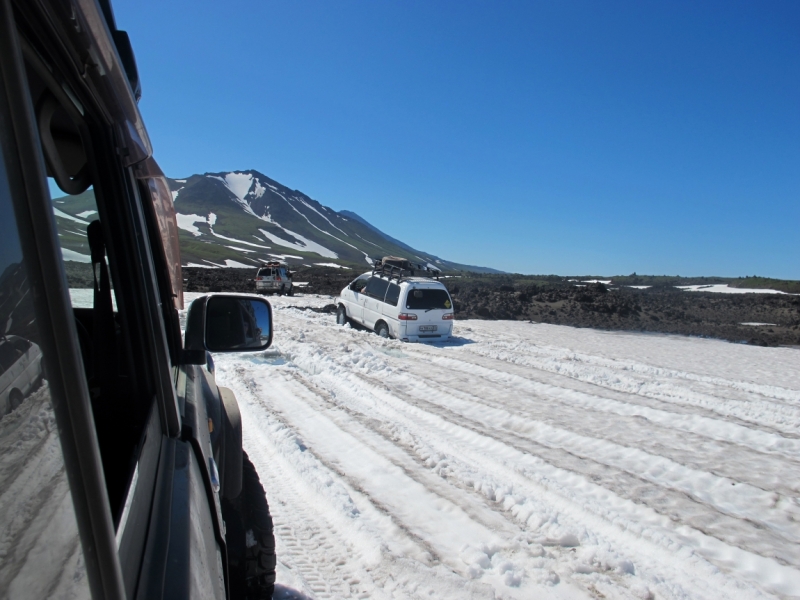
{"x":236,"y":324}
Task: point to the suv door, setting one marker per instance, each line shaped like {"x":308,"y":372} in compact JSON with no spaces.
{"x":130,"y":419}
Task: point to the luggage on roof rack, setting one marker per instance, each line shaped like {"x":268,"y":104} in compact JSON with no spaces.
{"x":396,"y":267}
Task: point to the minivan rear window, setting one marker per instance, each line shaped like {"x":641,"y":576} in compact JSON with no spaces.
{"x":425,"y":299}
{"x":265,"y":273}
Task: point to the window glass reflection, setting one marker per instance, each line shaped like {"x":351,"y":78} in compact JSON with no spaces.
{"x":40,"y":551}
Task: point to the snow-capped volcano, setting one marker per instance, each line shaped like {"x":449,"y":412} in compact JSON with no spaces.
{"x":241,"y":218}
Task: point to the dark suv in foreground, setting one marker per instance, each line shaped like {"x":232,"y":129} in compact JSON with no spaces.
{"x":122,"y":473}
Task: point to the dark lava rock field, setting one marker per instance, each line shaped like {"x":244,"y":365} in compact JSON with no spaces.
{"x":661,"y":309}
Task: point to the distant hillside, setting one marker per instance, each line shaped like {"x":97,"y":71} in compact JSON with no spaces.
{"x":242,"y":218}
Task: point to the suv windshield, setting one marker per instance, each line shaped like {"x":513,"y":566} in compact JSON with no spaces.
{"x":425,"y":299}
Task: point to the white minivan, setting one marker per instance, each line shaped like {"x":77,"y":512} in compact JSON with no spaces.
{"x":410,"y":309}
{"x":20,"y":371}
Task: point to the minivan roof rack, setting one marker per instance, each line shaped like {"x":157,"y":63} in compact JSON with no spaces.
{"x":398,"y":268}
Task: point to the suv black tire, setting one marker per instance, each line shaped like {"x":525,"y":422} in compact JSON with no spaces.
{"x":251,"y":541}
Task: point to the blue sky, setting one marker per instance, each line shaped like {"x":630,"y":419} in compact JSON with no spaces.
{"x":569,"y":137}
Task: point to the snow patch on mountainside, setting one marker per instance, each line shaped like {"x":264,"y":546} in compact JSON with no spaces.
{"x":237,"y":265}
{"x":63,"y":215}
{"x":73,"y":256}
{"x":187,"y":223}
{"x":239,"y":183}
{"x":258,"y":189}
{"x":212,"y":220}
{"x":236,"y":182}
{"x":305,"y":244}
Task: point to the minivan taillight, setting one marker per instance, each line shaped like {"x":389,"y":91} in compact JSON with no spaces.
{"x":259,"y":278}
{"x":447,"y":317}
{"x":407,"y":317}
{"x":277,"y":278}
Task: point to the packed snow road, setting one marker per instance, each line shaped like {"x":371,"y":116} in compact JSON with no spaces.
{"x":523,"y":461}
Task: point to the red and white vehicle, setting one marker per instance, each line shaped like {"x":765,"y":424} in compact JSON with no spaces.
{"x":397,"y":303}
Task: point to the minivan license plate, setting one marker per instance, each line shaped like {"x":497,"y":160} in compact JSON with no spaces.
{"x":427,"y":327}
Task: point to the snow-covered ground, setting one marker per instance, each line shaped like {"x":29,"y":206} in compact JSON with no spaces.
{"x":723,"y":288}
{"x":523,"y":461}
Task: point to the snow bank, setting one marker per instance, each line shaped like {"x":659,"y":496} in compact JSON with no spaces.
{"x":721,"y":288}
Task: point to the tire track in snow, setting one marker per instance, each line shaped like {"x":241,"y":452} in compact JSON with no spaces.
{"x":429,"y":516}
{"x":347,"y":385}
{"x":735,"y":521}
{"x":306,"y":544}
{"x":744,"y":532}
{"x":702,"y":513}
{"x":523,"y":345}
{"x":652,"y":433}
{"x":470,"y":499}
{"x":682,"y":418}
{"x":780,"y":410}
{"x":294,"y":498}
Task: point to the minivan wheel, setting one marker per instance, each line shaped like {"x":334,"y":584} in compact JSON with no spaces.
{"x":291,"y":291}
{"x":382,"y":330}
{"x":341,"y":316}
{"x":251,"y":542}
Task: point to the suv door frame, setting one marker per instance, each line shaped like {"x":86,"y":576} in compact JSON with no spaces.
{"x":22,"y":155}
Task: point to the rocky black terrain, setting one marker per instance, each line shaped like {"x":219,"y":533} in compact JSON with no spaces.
{"x":662,"y":309}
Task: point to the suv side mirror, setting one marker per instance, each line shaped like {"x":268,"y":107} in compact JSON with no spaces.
{"x":226,"y":323}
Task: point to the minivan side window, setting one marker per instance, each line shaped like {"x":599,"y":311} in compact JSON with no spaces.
{"x":393,"y":294}
{"x":376,"y":288}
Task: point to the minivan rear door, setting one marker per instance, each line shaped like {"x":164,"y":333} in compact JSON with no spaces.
{"x":428,"y":303}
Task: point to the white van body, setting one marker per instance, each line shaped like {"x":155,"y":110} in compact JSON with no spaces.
{"x":411,"y":309}
{"x":20,"y":371}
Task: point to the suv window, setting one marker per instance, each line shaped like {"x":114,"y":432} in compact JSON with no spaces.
{"x":46,"y":559}
{"x":359,"y":284}
{"x":393,"y":294}
{"x":376,"y":288}
{"x":426,"y":299}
